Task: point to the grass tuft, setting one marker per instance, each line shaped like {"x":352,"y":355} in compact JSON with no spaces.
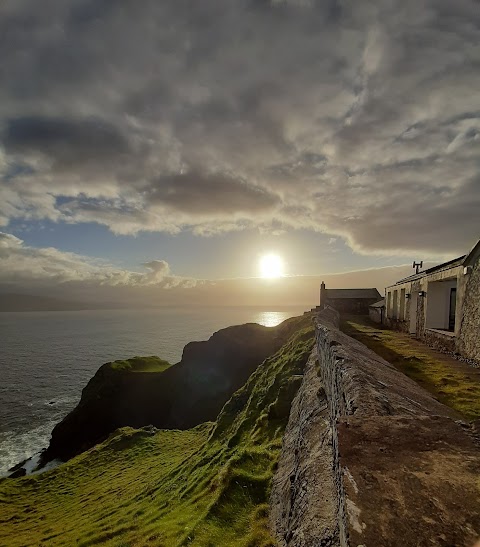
{"x":140,"y":364}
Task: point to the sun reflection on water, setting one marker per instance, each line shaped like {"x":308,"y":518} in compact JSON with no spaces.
{"x":272,"y":318}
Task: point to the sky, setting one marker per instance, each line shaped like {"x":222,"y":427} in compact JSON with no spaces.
{"x":155,"y":151}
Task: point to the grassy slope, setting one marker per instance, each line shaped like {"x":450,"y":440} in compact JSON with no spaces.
{"x":207,"y":486}
{"x":453,"y":385}
{"x":141,"y":364}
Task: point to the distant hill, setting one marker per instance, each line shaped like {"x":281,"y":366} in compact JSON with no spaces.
{"x":27,"y":302}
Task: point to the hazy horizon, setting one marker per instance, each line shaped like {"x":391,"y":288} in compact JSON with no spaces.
{"x":257,"y":292}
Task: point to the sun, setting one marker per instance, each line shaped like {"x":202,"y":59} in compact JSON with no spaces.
{"x":271,"y":266}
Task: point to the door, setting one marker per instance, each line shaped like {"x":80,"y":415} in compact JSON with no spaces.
{"x":451,"y":313}
{"x":413,"y":312}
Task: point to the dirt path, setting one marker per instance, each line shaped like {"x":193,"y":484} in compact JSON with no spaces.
{"x":452,"y":382}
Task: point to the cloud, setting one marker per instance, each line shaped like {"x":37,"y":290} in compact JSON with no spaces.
{"x":356,"y":119}
{"x":202,"y":194}
{"x":51,"y":272}
{"x":42,"y":268}
{"x":66,"y":144}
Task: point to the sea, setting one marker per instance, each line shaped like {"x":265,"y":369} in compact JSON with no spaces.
{"x":47,"y":358}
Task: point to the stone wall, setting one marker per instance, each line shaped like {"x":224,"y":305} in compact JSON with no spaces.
{"x":469,"y":337}
{"x":304,"y":495}
{"x":417,"y":286}
{"x":357,"y":306}
{"x":358,"y":381}
{"x":390,"y":465}
{"x":398,"y":324}
{"x":376,"y":314}
{"x":440,"y":341}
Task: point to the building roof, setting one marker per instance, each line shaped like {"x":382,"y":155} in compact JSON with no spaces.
{"x":379,"y":304}
{"x":444,"y":266}
{"x":461,"y":260}
{"x":353,"y":293}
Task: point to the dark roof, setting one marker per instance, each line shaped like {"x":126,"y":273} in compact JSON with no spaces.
{"x":447,"y":265}
{"x":379,"y":304}
{"x":444,"y":266}
{"x":353,"y":293}
{"x":461,"y":260}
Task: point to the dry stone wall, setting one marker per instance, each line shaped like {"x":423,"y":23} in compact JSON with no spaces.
{"x":304,"y":496}
{"x":369,"y":458}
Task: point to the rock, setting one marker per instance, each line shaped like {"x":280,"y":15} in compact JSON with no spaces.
{"x":20,"y":469}
{"x":20,"y":472}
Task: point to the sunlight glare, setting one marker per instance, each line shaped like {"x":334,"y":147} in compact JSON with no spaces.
{"x":271,"y":266}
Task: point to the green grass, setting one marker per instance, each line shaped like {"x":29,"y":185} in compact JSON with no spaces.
{"x":450,"y":383}
{"x":141,"y":364}
{"x":208,"y":486}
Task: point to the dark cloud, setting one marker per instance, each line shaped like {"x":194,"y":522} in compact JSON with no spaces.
{"x":206,"y":194}
{"x":359,"y":119}
{"x":68,"y":143}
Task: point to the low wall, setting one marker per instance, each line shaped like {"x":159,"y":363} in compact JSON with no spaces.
{"x":304,"y":493}
{"x":358,"y":381}
{"x":398,"y":324}
{"x":376,"y":314}
{"x":387,"y":457}
{"x":439,"y":340}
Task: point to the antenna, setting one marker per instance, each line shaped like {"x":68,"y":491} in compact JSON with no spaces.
{"x":417,"y":266}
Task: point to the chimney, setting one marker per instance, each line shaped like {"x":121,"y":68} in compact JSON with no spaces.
{"x":323,"y":295}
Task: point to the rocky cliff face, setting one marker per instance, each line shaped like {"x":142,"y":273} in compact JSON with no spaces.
{"x":369,"y":458}
{"x":183,"y":396}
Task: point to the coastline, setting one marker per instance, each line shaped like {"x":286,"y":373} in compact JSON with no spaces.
{"x":41,"y":369}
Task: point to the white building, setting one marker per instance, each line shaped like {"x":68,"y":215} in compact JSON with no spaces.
{"x":440,"y":305}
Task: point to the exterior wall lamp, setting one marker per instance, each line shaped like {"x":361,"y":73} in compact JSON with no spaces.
{"x":422,"y":293}
{"x":408,"y":295}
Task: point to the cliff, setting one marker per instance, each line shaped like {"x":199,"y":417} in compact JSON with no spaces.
{"x":370,"y":458}
{"x":206,"y":486}
{"x":178,"y":397}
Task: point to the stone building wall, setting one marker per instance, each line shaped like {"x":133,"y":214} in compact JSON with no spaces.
{"x":469,"y":338}
{"x":417,"y":286}
{"x":376,"y":314}
{"x":357,"y":306}
{"x":403,"y":324}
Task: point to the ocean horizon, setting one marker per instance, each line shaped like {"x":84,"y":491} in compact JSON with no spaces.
{"x":48,"y":357}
